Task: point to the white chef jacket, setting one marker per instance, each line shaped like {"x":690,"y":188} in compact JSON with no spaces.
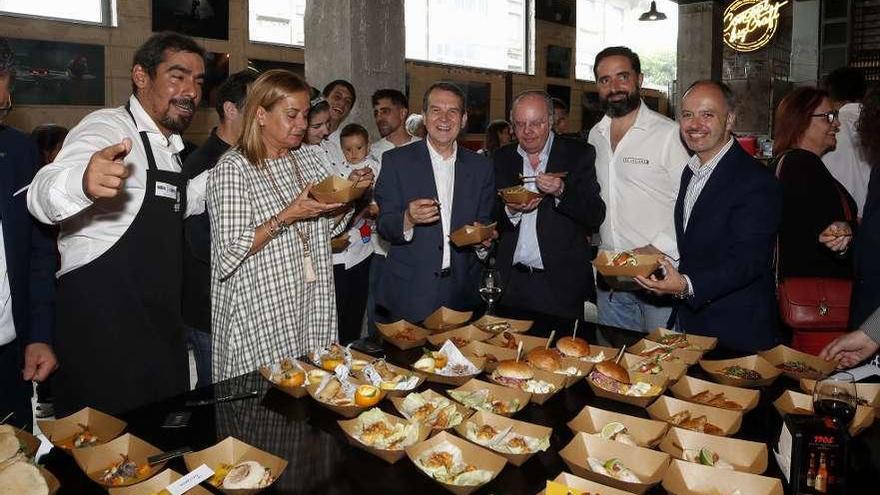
{"x":640,"y":181}
{"x":846,"y":162}
{"x":89,"y":229}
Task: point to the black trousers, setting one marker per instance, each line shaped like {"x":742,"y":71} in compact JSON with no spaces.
{"x":352,"y":286}
{"x":15,"y":393}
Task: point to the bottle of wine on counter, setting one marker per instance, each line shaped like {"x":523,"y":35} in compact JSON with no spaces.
{"x":821,"y":483}
{"x":811,"y":471}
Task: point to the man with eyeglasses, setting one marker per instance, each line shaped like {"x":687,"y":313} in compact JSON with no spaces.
{"x":543,"y":255}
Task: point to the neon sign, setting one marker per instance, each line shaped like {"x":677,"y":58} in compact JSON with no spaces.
{"x":751,"y":24}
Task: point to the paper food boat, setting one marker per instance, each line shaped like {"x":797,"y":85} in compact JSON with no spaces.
{"x":517,"y":195}
{"x":687,"y":478}
{"x":646,"y":432}
{"x":529,"y":341}
{"x":469,"y":235}
{"x":645,"y":265}
{"x":391,"y":367}
{"x":688,"y":387}
{"x":471,"y":454}
{"x":640,"y":401}
{"x":102,"y":425}
{"x":491,"y":354}
{"x":444,"y":319}
{"x":672,"y":370}
{"x":94,"y":460}
{"x":867,"y":392}
{"x":295,"y":392}
{"x":695,"y":342}
{"x":390,"y":333}
{"x":54,"y":485}
{"x":467,"y":333}
{"x":156,"y":484}
{"x":768,"y":372}
{"x":454,"y":358}
{"x":781,"y":354}
{"x":748,"y":457}
{"x":583,"y":485}
{"x":649,"y":465}
{"x":802,"y":404}
{"x":583,"y":369}
{"x":390,"y":456}
{"x":558,"y":382}
{"x":335,"y":189}
{"x":432,"y":395}
{"x":728,"y":421}
{"x":501,"y":423}
{"x":344,"y":411}
{"x":689,"y":357}
{"x":498,"y":392}
{"x":232,"y":451}
{"x":486,"y":322}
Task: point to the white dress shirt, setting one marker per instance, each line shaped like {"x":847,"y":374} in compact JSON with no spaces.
{"x":444,"y":180}
{"x":89,"y":229}
{"x":7,"y":324}
{"x":846,"y":162}
{"x":639,"y":182}
{"x":528,"y":250}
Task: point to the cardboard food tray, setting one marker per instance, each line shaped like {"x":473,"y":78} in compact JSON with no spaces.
{"x":390,"y":456}
{"x":295,"y":392}
{"x":791,"y":402}
{"x":469,"y":235}
{"x":444,"y":319}
{"x":585,"y":486}
{"x":688,"y":386}
{"x":728,"y":421}
{"x":646,"y":432}
{"x":583,"y":367}
{"x":517,"y":195}
{"x":596,"y":350}
{"x":754,"y":362}
{"x":781,"y":354}
{"x":430,"y":394}
{"x":335,"y":189}
{"x":529,"y":341}
{"x":233,"y":451}
{"x":672,"y":370}
{"x":649,"y":465}
{"x":689,"y":357}
{"x":469,"y":332}
{"x":687,"y":478}
{"x":496,"y":392}
{"x":868,"y":392}
{"x":483,"y":350}
{"x":393,"y":367}
{"x":697,"y":342}
{"x":558,"y":382}
{"x":54,"y":485}
{"x":104,"y":426}
{"x":344,"y":411}
{"x":94,"y":460}
{"x":515,"y":326}
{"x":31,"y":443}
{"x":156,"y":484}
{"x":389,"y":330}
{"x":628,"y":399}
{"x":471,"y":454}
{"x":647,"y":263}
{"x":453,"y":380}
{"x":744,"y":456}
{"x":500,"y":423}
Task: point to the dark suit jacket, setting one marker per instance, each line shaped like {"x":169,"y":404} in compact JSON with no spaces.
{"x":727,"y":252}
{"x":410,"y":287}
{"x":562,"y":229}
{"x":866,"y":246}
{"x":31,"y":259}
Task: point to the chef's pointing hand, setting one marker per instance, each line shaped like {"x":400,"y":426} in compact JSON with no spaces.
{"x":106,"y":171}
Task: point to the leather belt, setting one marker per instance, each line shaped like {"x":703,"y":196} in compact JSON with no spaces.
{"x":527,"y":269}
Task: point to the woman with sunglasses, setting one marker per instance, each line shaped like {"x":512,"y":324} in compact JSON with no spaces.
{"x":818,"y":214}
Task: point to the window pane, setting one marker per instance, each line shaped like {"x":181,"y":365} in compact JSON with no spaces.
{"x":75,"y":10}
{"x":277,"y":21}
{"x":479,"y":33}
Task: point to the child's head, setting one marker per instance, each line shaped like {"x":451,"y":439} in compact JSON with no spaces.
{"x":355,"y":142}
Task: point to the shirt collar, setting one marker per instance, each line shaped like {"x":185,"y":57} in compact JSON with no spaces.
{"x":545,"y":151}
{"x":436,"y":157}
{"x":702,"y":169}
{"x":144,"y":122}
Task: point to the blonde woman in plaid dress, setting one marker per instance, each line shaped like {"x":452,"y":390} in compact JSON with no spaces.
{"x":271,"y":271}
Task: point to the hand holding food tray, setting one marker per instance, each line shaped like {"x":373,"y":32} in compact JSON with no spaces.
{"x":626,"y":264}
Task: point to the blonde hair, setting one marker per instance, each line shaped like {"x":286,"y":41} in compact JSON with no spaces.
{"x":270,"y":88}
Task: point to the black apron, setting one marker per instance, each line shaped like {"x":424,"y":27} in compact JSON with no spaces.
{"x":120,"y":341}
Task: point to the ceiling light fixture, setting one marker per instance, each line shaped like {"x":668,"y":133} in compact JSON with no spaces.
{"x":653,"y":14}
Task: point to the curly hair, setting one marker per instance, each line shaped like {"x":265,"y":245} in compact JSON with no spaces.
{"x":868,"y":127}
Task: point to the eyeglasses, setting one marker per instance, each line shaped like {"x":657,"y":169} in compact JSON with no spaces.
{"x":829,"y":116}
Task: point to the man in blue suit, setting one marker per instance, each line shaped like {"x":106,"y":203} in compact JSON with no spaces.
{"x":27,"y":270}
{"x":726,"y":217}
{"x":426,"y":191}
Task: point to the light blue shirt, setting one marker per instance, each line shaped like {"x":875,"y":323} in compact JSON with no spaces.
{"x":528,"y":251}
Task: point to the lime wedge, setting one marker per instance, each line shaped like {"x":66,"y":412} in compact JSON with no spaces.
{"x":613,"y":465}
{"x":612,"y":429}
{"x":707,"y":456}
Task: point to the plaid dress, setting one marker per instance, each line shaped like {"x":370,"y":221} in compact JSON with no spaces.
{"x":262,"y":308}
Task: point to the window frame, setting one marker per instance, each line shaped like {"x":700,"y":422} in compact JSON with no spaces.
{"x":274,"y":43}
{"x":108,"y":16}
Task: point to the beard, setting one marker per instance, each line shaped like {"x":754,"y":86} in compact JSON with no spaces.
{"x":179,"y":124}
{"x":620,"y":108}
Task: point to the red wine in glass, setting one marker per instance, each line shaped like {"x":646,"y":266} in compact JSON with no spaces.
{"x":835,"y":397}
{"x":842,"y":412}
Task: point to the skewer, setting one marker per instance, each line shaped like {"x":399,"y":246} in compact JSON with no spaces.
{"x":549,"y":340}
{"x":518,"y":350}
{"x":620,"y":354}
{"x":575,"y":332}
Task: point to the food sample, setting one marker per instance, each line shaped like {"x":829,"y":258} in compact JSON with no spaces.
{"x":495,"y":327}
{"x":706,"y":457}
{"x":20,"y":477}
{"x":358,"y":365}
{"x":612,"y":377}
{"x":506,"y":440}
{"x":366,"y":396}
{"x":701,"y":424}
{"x":436,"y":412}
{"x":544,"y":359}
{"x":573,"y":347}
{"x":741,"y":373}
{"x":661,"y":353}
{"x":508,"y":340}
{"x":431,"y":361}
{"x":390,"y":378}
{"x":335,"y":394}
{"x":84,"y":438}
{"x":650,"y":366}
{"x":374,"y":430}
{"x":407,"y":333}
{"x":332,"y":357}
{"x":676,"y":340}
{"x":519,"y":375}
{"x":288,"y":375}
{"x":124,"y":472}
{"x":445,"y":465}
{"x":597,"y":358}
{"x":246,"y":475}
{"x":716,"y":400}
{"x":614,"y":468}
{"x":459,"y":341}
{"x":800,"y":367}
{"x":623,"y":258}
{"x":617,"y":432}
{"x":9,"y":443}
{"x":480,"y":399}
{"x":316,"y":375}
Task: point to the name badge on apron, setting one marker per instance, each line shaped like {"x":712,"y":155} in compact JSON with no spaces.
{"x":166,"y":190}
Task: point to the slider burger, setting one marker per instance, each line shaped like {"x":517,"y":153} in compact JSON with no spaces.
{"x":573,"y":347}
{"x":512,"y":373}
{"x":544,"y":359}
{"x":611,"y":376}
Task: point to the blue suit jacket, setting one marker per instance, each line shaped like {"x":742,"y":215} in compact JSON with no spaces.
{"x":409,"y":287}
{"x":727,"y":252}
{"x":31,"y":257}
{"x":866,"y":246}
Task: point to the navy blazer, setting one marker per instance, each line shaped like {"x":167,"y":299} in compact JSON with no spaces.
{"x":31,"y":257}
{"x":727,"y":251}
{"x":409,"y":287}
{"x":866,"y":246}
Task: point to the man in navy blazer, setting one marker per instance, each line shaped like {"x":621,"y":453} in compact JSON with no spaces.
{"x":27,"y":271}
{"x":426,"y":191}
{"x":726,"y":218}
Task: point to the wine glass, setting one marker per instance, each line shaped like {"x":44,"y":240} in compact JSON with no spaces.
{"x":490,"y":289}
{"x":835,"y":397}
